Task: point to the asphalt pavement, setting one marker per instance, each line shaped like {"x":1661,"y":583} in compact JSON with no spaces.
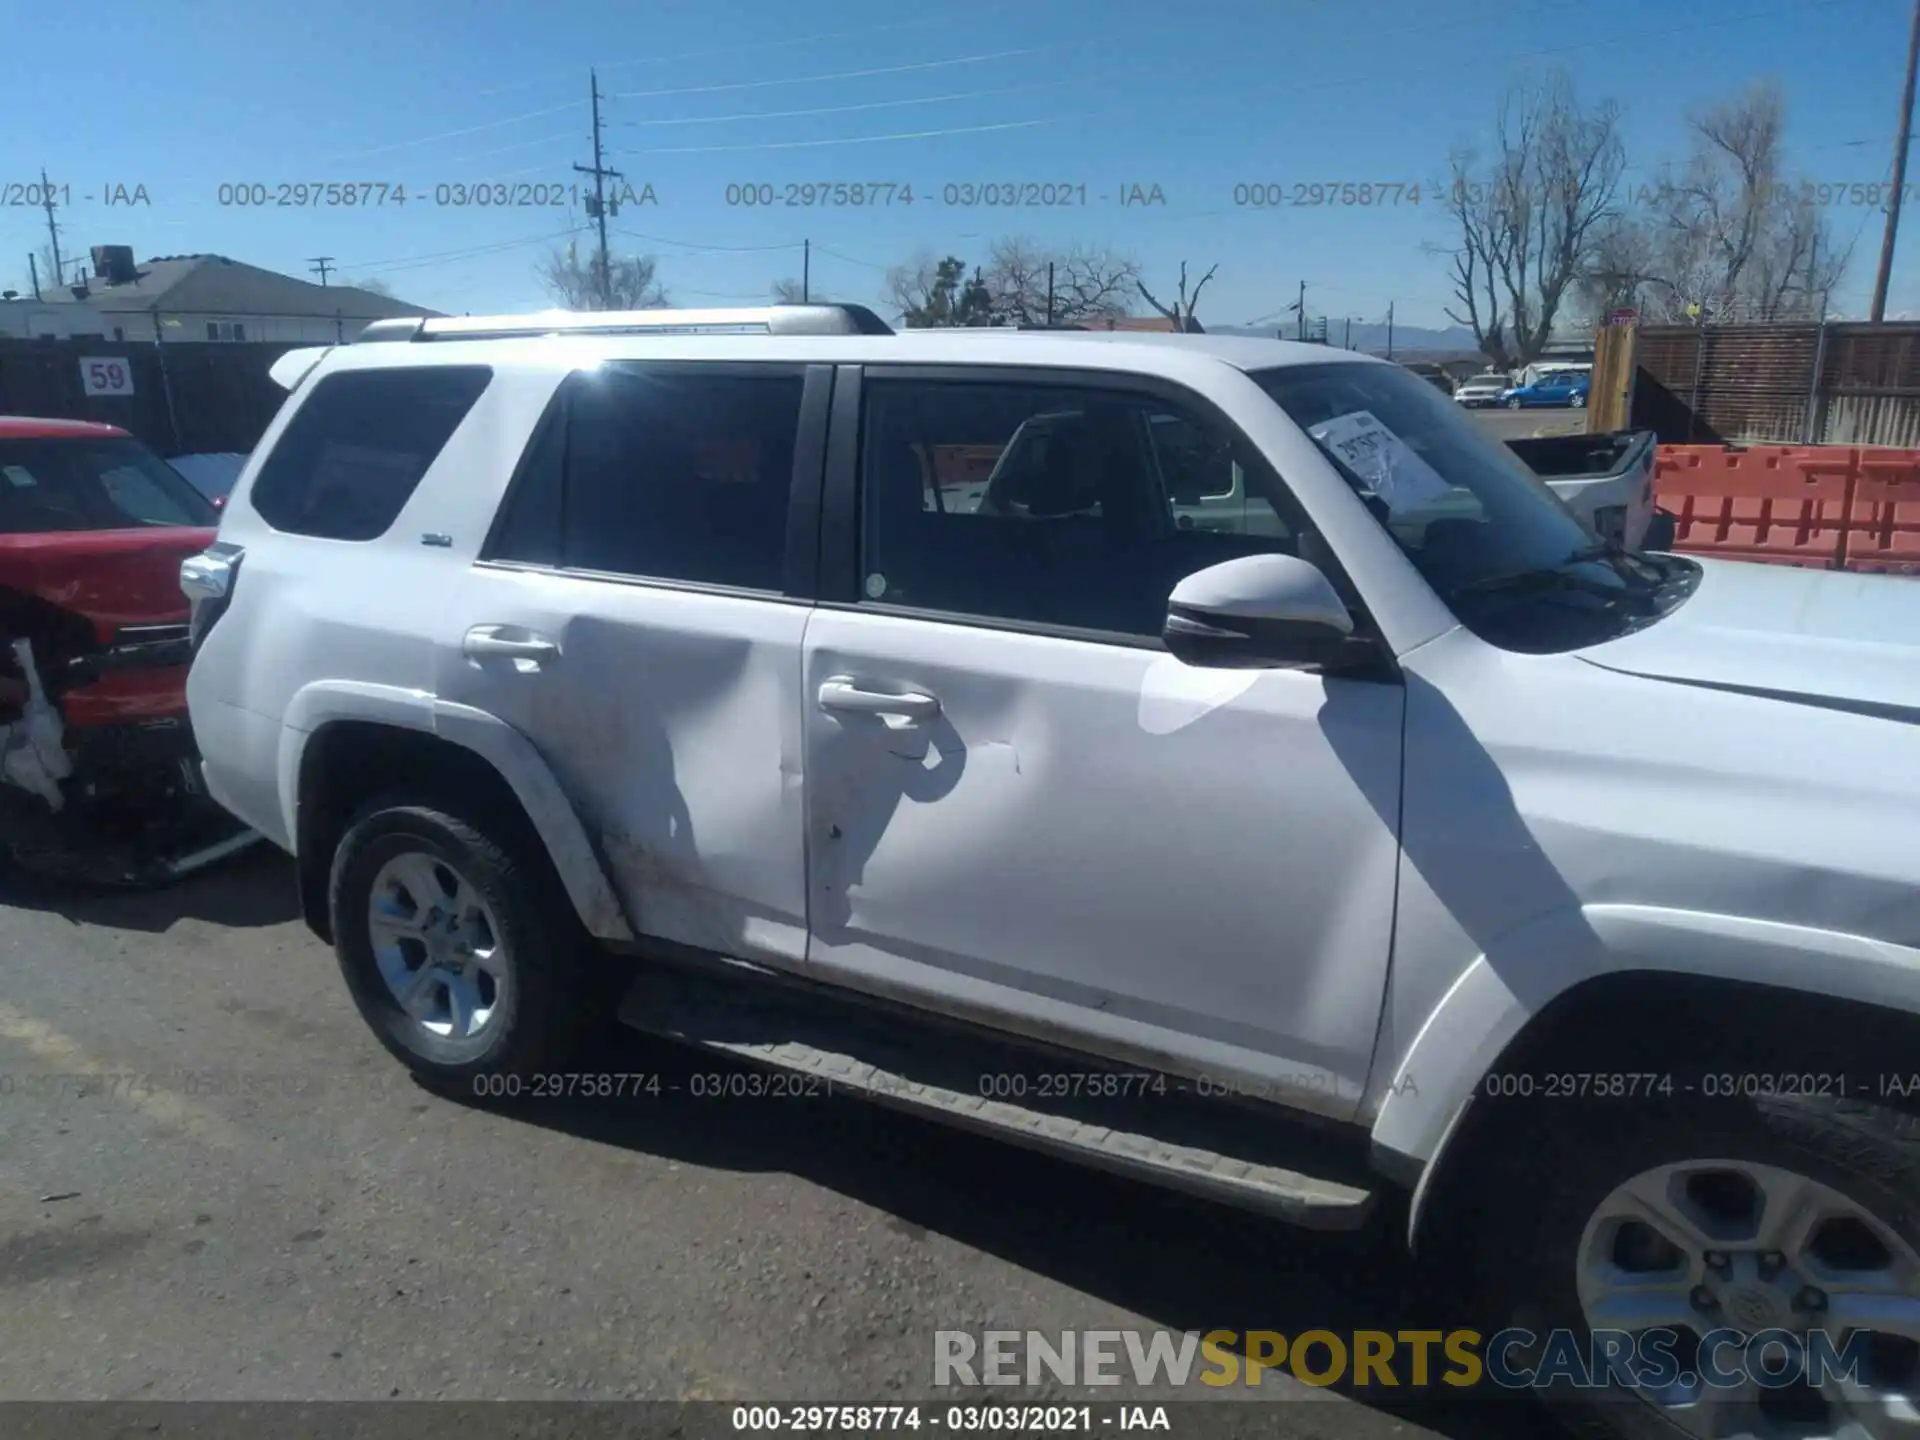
{"x":248,"y":1200}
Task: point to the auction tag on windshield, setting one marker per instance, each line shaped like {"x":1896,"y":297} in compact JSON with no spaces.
{"x":1382,"y":459}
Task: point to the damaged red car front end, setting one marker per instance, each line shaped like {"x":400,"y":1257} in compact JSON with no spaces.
{"x":99,"y":777}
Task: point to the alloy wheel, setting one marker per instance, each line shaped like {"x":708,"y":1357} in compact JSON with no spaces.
{"x":1775,"y":1258}
{"x":439,"y":949}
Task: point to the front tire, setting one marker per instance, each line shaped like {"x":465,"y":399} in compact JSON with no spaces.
{"x":1731,"y":1217}
{"x":456,"y":945}
{"x":1513,"y":404}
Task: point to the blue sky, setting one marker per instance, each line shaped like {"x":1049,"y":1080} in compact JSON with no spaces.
{"x":1192,"y":98}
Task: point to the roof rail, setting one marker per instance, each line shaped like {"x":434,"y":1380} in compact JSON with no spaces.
{"x":762,"y":320}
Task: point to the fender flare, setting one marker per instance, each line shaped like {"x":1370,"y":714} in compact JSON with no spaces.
{"x":1500,"y":992}
{"x":510,"y":754}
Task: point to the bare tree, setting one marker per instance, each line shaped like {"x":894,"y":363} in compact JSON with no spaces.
{"x":375,"y":286}
{"x":1181,"y":312}
{"x":790,"y":292}
{"x":1726,"y":233}
{"x":574,"y":280}
{"x":1086,"y":283}
{"x":1531,"y":214}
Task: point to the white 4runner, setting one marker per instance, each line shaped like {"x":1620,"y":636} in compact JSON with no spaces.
{"x":1386,"y":832}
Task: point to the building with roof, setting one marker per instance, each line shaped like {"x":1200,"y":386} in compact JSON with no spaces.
{"x":212,"y":298}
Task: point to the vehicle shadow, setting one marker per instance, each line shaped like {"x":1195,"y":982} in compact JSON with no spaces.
{"x":1182,"y":1263}
{"x":253,"y":889}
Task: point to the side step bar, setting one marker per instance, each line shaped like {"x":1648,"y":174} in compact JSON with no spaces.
{"x":1135,"y":1122}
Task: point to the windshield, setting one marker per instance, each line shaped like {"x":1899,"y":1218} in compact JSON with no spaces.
{"x":54,"y":484}
{"x":1462,"y":505}
{"x":1517,"y":566}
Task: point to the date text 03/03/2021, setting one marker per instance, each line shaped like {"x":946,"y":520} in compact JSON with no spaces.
{"x":1019,"y":1419}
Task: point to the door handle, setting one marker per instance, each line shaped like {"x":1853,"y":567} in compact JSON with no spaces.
{"x":485,"y":642}
{"x":844,"y":695}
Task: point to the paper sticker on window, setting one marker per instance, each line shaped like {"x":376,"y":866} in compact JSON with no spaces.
{"x":1381,"y":459}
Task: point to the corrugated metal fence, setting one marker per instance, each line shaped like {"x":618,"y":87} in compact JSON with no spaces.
{"x":188,"y":398}
{"x":1789,"y":384}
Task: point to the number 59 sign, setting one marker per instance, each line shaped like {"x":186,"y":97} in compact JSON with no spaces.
{"x":106,"y":377}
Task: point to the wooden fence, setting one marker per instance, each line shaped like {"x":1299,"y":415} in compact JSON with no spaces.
{"x":187,"y":398}
{"x":1835,"y":383}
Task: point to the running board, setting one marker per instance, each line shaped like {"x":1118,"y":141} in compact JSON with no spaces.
{"x":1136,"y":1122}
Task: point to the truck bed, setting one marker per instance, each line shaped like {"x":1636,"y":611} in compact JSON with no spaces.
{"x":1583,"y":457}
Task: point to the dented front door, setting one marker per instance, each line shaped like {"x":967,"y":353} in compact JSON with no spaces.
{"x":1105,"y":846}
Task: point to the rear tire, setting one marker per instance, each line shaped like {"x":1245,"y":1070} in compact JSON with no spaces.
{"x":458,"y":945}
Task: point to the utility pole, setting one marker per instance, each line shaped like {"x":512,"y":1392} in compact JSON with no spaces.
{"x":53,"y":229}
{"x":1899,"y":170}
{"x":806,"y":272}
{"x":1299,"y":308}
{"x":597,"y":207}
{"x":1050,"y":294}
{"x":320,"y":266}
{"x":1389,"y":329}
{"x":1348,"y":342}
{"x":33,"y":269}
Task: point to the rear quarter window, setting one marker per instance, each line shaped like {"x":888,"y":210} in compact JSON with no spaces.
{"x":355,"y":451}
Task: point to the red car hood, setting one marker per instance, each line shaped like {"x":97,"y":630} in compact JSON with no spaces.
{"x":113,"y":577}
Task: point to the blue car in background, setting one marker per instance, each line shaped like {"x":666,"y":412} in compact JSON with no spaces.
{"x":1566,"y":389}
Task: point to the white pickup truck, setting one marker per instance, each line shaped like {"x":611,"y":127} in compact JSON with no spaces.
{"x":1381,"y":831}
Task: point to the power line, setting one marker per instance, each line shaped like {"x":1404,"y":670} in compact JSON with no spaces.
{"x":842,"y":109}
{"x":816,"y":79}
{"x":410,"y":262}
{"x":852,"y":259}
{"x":718,"y":249}
{"x":855,"y":139}
{"x":861,"y":32}
{"x":464,"y":130}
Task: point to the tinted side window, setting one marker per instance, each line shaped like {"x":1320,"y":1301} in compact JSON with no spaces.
{"x":355,"y":451}
{"x":674,"y":475}
{"x":1074,"y":524}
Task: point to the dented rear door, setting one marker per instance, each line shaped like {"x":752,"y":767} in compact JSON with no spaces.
{"x":637,"y":615}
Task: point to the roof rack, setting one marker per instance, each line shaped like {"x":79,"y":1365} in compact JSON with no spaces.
{"x":762,"y":320}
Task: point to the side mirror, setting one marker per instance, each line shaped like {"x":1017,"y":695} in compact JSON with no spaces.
{"x":1262,"y":612}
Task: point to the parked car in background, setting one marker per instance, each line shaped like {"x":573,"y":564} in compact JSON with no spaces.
{"x":1563,"y":389}
{"x":98,"y":774}
{"x":1482,"y":391}
{"x":211,"y":474}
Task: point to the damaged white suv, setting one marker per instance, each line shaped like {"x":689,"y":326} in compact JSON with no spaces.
{"x":1387,"y":832}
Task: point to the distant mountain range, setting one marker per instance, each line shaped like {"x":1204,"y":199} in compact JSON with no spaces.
{"x":1406,"y":338}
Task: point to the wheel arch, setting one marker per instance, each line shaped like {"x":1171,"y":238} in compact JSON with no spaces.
{"x":354,"y":740}
{"x":1663,"y":991}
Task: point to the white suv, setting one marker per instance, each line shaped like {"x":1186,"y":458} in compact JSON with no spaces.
{"x":1398,"y":836}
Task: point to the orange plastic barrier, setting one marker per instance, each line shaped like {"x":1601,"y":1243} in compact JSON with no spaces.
{"x":1785,"y":504}
{"x":1883,"y":525}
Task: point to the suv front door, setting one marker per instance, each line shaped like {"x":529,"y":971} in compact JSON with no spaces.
{"x":637,"y":613}
{"x":1020,"y":806}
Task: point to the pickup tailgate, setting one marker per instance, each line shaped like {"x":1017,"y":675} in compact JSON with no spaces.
{"x":1605,"y":479}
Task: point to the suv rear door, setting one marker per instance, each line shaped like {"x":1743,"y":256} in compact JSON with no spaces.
{"x":637,"y":613}
{"x":1020,"y":805}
